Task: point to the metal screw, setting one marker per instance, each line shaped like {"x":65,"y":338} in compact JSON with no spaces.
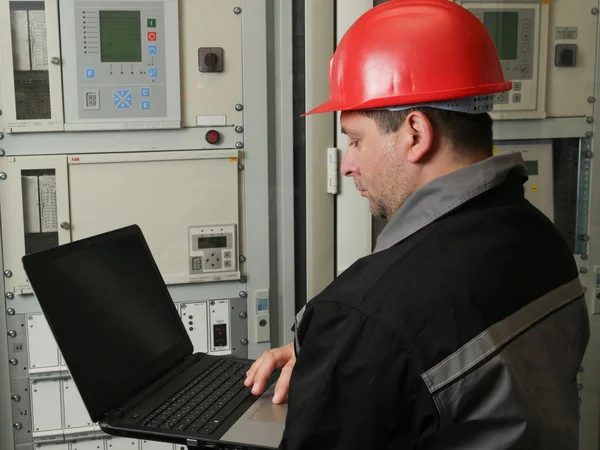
{"x":2,"y":176}
{"x":239,"y":145}
{"x":2,"y":152}
{"x":589,"y":134}
{"x":16,"y":398}
{"x":55,"y":60}
{"x":18,"y":426}
{"x":1,"y":135}
{"x":585,"y":237}
{"x":589,"y":154}
{"x":239,"y":129}
{"x":244,"y":314}
{"x":7,"y":273}
{"x":589,"y":119}
{"x":10,"y":295}
{"x":243,"y":294}
{"x":243,"y":279}
{"x":595,"y":11}
{"x":237,"y":10}
{"x":14,"y":361}
{"x":242,"y":258}
{"x":239,"y":107}
{"x":584,"y":256}
{"x":64,"y":225}
{"x":241,"y":167}
{"x":183,"y":306}
{"x":582,"y":270}
{"x":244,"y":341}
{"x":591,"y":99}
{"x":10,"y":312}
{"x":12,"y":333}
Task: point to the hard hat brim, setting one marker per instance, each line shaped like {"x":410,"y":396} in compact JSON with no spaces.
{"x":415,"y":99}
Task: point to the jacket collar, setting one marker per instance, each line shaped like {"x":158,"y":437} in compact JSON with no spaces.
{"x":447,"y":193}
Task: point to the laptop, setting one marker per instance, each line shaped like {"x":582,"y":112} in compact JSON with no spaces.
{"x":130,"y":356}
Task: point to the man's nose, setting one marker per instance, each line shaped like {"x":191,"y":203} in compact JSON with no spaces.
{"x":349,"y":167}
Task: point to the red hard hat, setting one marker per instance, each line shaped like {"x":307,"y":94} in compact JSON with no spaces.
{"x":408,"y":52}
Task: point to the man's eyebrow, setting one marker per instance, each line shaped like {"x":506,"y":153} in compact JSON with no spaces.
{"x":348,"y":131}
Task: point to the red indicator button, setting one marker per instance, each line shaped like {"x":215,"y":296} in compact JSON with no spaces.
{"x":213,"y":137}
{"x":152,"y":36}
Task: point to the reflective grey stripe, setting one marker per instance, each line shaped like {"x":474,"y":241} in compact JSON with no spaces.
{"x":296,"y":323}
{"x":498,"y":335}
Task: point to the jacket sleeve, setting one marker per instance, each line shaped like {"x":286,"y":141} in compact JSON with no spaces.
{"x":351,"y":387}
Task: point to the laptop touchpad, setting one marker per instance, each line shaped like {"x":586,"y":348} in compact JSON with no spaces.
{"x":269,"y":412}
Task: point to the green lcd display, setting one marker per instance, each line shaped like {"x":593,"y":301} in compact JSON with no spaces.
{"x":532,"y":167}
{"x":120,"y":36}
{"x":212,"y":242}
{"x":504,"y":29}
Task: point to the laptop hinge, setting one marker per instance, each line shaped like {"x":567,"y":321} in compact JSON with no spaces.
{"x":118,"y":412}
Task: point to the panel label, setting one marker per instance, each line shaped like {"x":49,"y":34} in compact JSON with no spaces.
{"x":566,"y":32}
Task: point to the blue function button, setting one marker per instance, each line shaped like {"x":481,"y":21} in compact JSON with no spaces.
{"x":152,"y":49}
{"x":90,"y":73}
{"x":145,"y":105}
{"x":145,"y":92}
{"x":122,"y":99}
{"x":153,"y":72}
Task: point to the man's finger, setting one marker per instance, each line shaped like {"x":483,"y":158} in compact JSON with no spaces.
{"x":272,"y":360}
{"x":252,"y":371}
{"x":283,"y":384}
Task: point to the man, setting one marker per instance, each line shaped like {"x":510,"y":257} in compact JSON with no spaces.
{"x":466,"y":327}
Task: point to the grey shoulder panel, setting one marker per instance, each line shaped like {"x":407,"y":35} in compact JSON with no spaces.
{"x":499,"y":335}
{"x":524,"y":394}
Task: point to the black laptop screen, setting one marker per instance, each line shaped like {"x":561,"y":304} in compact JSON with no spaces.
{"x":111,"y":314}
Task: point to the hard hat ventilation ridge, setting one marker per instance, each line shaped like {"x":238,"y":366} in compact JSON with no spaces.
{"x":478,"y":104}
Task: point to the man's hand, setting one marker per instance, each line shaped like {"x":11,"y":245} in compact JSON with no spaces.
{"x":263,"y":367}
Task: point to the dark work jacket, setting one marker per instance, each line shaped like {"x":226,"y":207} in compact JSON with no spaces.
{"x":465,"y":329}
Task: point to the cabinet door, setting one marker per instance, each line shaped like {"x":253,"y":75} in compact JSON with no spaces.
{"x":34,"y":210}
{"x":30,"y":66}
{"x":354,"y":222}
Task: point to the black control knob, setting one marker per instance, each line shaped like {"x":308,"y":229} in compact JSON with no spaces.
{"x":211,"y":60}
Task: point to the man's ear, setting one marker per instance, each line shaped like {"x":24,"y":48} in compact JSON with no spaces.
{"x":419,"y":132}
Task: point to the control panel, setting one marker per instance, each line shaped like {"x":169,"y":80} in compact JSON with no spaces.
{"x":219,"y":322}
{"x":520,"y":33}
{"x":213,"y":251}
{"x":121,"y":59}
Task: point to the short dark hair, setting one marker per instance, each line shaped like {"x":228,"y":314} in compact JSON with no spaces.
{"x":467,"y":133}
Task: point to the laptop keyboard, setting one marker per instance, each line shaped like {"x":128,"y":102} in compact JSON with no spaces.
{"x":204,"y":403}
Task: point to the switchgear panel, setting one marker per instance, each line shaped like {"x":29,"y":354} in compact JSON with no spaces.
{"x":520,"y":33}
{"x":122,"y":60}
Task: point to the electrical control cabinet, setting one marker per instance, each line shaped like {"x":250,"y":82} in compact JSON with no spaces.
{"x":125,"y":65}
{"x":48,"y":201}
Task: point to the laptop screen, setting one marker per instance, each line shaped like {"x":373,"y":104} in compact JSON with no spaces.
{"x":112,"y":316}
